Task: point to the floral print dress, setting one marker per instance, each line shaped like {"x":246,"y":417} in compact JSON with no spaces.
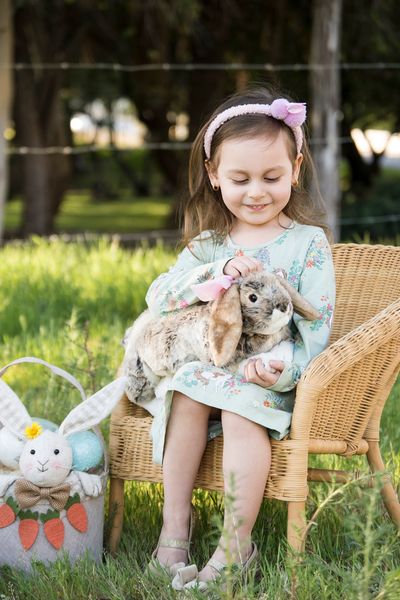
{"x":303,"y":256}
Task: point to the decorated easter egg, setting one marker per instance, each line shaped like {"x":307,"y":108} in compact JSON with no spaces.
{"x":87,"y":451}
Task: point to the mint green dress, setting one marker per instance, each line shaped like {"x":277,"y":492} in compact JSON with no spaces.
{"x":303,"y":256}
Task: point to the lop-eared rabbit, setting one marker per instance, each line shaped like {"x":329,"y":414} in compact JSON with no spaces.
{"x":249,"y":318}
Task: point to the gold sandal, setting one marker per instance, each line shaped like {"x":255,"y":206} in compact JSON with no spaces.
{"x":187,"y":578}
{"x":154,"y":565}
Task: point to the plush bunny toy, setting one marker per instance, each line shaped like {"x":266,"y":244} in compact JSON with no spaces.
{"x":46,"y":457}
{"x":248,"y":318}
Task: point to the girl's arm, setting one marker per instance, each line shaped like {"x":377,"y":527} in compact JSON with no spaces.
{"x":317,"y":285}
{"x":172,"y":290}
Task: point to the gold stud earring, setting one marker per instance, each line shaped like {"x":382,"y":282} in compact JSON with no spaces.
{"x":295,"y":183}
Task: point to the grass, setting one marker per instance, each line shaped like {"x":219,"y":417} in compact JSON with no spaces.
{"x":80,"y":213}
{"x":70,"y":305}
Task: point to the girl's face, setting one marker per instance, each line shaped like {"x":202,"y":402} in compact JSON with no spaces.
{"x":255,"y":176}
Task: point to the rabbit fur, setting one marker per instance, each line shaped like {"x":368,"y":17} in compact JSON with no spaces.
{"x":249,"y":318}
{"x":46,"y":460}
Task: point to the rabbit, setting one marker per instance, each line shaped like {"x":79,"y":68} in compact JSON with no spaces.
{"x":46,"y":460}
{"x":249,"y":318}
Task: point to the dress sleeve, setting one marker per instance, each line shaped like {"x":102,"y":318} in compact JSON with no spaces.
{"x":317,"y":285}
{"x":172,"y":291}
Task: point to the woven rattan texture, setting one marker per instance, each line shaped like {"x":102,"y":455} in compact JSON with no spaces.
{"x":339,"y":398}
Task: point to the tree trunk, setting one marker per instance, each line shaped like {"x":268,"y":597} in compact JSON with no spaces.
{"x":325,"y":91}
{"x":6,"y":37}
{"x":40,"y":122}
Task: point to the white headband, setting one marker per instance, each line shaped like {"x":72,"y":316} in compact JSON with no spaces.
{"x":293,"y":114}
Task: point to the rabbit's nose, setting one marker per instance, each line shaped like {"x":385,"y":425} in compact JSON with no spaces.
{"x":43,"y":464}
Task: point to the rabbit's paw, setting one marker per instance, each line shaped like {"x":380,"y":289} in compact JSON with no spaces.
{"x":5,"y":481}
{"x":91,"y":484}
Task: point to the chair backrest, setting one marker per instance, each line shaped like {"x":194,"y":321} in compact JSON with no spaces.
{"x":368,"y":281}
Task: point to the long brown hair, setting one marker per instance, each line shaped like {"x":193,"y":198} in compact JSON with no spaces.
{"x":205,"y":208}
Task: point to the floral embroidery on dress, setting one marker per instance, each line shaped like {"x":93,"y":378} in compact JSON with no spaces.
{"x":295,"y":273}
{"x":264,"y":256}
{"x":222,"y":378}
{"x":317,"y":252}
{"x":282,"y":238}
{"x":295,"y":372}
{"x":325,"y":318}
{"x":239,"y":252}
{"x":172,"y":302}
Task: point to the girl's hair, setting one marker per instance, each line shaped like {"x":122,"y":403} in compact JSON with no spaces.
{"x":205,"y":208}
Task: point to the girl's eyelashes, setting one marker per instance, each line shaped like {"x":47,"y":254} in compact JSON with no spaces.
{"x":269,"y":179}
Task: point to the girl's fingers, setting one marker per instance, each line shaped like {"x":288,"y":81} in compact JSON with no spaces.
{"x":256,"y":373}
{"x":243,"y":265}
{"x":277,"y":365}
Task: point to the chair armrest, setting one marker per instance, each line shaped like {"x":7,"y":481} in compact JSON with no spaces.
{"x":336,"y":359}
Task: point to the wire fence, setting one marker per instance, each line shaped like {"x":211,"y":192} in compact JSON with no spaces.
{"x":168,"y":146}
{"x":68,"y":66}
{"x":84,"y":149}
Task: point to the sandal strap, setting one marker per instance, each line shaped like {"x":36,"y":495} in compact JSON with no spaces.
{"x":174,"y":543}
{"x":216,"y":564}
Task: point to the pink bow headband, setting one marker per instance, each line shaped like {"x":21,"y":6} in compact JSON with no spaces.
{"x":293,"y":114}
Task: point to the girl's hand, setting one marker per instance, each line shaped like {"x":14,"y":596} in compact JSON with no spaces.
{"x":240,"y":266}
{"x":255,"y":372}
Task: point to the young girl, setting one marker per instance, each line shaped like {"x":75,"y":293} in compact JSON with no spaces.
{"x":250,"y":209}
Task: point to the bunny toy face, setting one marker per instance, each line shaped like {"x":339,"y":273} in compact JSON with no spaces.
{"x":46,"y":460}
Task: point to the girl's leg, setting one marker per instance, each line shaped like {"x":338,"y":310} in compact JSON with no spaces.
{"x":246,"y":464}
{"x":185,"y":443}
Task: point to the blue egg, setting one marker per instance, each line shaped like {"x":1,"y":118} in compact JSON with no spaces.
{"x":87,"y":451}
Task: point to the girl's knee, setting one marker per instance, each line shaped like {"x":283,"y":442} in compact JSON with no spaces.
{"x":237,"y":425}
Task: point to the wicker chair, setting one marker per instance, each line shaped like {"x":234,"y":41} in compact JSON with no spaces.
{"x":339,"y":399}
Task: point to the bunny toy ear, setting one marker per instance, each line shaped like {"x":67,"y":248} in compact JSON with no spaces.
{"x":13,"y":413}
{"x":96,"y":408}
{"x":225,"y":327}
{"x":300,"y":304}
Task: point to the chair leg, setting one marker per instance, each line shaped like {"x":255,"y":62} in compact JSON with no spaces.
{"x":116,"y":512}
{"x":296,"y":525}
{"x":389,"y":495}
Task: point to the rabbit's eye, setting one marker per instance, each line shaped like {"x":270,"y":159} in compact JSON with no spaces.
{"x":253,"y":298}
{"x":33,"y":451}
{"x":56,"y":451}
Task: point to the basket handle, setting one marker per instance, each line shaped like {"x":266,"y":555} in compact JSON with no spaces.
{"x":53,"y":368}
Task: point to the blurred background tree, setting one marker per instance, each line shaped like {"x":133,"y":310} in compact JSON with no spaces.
{"x":183,"y":31}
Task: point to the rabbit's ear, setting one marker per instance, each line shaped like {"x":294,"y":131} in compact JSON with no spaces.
{"x":13,"y":413}
{"x":96,"y":408}
{"x":300,"y":304}
{"x":225,"y":327}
